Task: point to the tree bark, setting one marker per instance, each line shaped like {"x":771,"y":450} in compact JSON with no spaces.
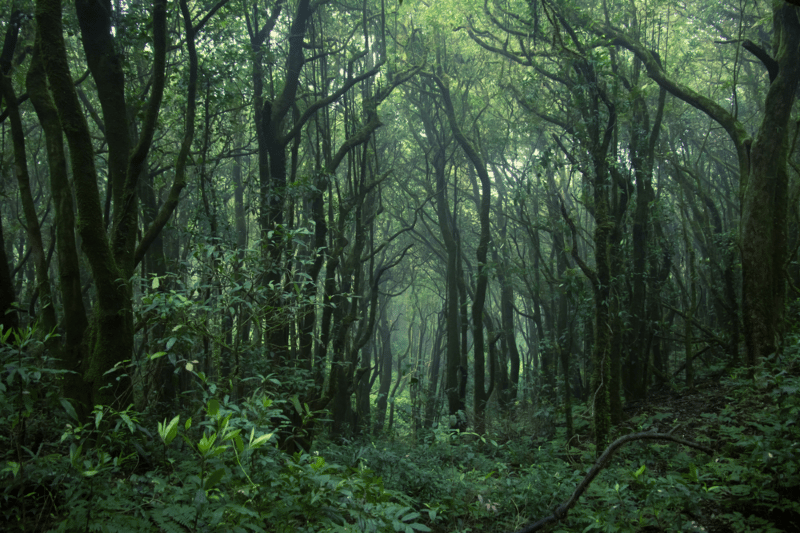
{"x":111,"y":331}
{"x":75,"y":319}
{"x":480,"y":394}
{"x":9,"y":319}
{"x":765,"y":202}
{"x":33,"y":228}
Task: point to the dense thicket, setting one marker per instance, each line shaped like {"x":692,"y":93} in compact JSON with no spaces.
{"x":327,"y":222}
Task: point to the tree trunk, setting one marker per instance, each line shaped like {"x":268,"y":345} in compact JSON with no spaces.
{"x":33,"y":228}
{"x":765,"y":202}
{"x":431,"y":395}
{"x":9,"y":319}
{"x":111,"y":331}
{"x":75,"y":319}
{"x":480,"y":394}
{"x":385,"y":372}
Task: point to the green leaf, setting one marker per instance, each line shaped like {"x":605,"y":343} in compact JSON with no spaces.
{"x":75,"y":454}
{"x":260,"y":440}
{"x":231,"y":435}
{"x":213,"y":407}
{"x":13,"y":467}
{"x":171,"y":342}
{"x":205,"y":443}
{"x":69,"y":409}
{"x":128,"y":422}
{"x":237,"y":441}
{"x":214,"y":478}
{"x":156,"y":355}
{"x":218,"y":450}
{"x":168,"y":432}
{"x":296,"y":403}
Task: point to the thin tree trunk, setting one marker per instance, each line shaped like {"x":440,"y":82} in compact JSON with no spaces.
{"x":9,"y":319}
{"x":385,"y":372}
{"x":33,"y":228}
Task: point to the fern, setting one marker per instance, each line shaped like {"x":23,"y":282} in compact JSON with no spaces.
{"x":122,"y":524}
{"x":170,"y":519}
{"x":183,"y":514}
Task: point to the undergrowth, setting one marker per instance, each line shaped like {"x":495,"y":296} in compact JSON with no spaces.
{"x":216,"y":467}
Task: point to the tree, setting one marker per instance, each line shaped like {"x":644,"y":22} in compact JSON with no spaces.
{"x":111,"y":260}
{"x":762,"y":175}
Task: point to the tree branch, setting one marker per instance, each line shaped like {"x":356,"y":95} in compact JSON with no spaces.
{"x":561,"y":511}
{"x":764,"y":57}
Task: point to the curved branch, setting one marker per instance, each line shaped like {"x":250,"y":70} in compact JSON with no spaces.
{"x":762,"y":55}
{"x":561,"y":511}
{"x":585,"y":268}
{"x":656,"y":72}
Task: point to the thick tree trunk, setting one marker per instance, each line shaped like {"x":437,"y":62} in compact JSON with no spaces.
{"x":480,"y":394}
{"x":75,"y":318}
{"x":111,"y":337}
{"x":563,"y":339}
{"x":362,"y":386}
{"x":601,"y":359}
{"x":642,"y":145}
{"x":453,"y":357}
{"x":508,"y":392}
{"x":111,"y":332}
{"x":765,"y":200}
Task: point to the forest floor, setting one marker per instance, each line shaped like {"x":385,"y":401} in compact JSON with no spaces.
{"x":692,"y":416}
{"x":687,"y":410}
{"x":521,"y":471}
{"x":219,"y":473}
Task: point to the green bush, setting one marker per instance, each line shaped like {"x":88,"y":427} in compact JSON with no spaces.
{"x":221,"y":472}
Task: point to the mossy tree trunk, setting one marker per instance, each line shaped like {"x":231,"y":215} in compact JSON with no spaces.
{"x":563,"y":344}
{"x":438,"y":141}
{"x":765,"y":199}
{"x":32,"y":223}
{"x":111,"y":260}
{"x":74,"y":313}
{"x":642,"y":144}
{"x":8,"y":317}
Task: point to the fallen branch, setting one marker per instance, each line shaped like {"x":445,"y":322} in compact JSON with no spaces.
{"x":561,"y":511}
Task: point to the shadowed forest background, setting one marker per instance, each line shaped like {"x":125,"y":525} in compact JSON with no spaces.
{"x":381,"y":265}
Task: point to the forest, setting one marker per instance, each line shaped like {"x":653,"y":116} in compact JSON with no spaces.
{"x":400,"y":266}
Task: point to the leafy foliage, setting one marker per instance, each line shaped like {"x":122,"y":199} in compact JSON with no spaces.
{"x":113,"y":473}
{"x":216,"y":468}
